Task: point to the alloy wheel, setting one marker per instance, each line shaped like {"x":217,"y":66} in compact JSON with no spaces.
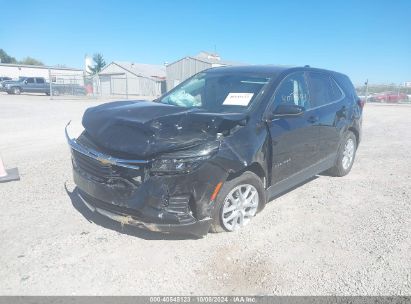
{"x":348,"y":154}
{"x":240,"y":205}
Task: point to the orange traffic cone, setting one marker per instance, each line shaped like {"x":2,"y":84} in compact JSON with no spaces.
{"x":8,"y":175}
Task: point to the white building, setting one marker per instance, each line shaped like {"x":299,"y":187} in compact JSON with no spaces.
{"x":57,"y":74}
{"x":128,"y":78}
{"x":186,"y":67}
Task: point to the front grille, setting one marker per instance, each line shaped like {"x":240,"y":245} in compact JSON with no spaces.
{"x":110,"y":207}
{"x":96,"y":169}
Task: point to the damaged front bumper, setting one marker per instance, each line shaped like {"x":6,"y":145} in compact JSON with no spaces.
{"x":124,"y":191}
{"x":197,"y":228}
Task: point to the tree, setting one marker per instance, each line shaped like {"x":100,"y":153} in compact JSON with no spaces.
{"x":31,"y":61}
{"x":5,"y":58}
{"x":99,"y":64}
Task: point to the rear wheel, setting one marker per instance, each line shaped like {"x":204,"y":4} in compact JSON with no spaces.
{"x":345,"y":155}
{"x":238,"y":202}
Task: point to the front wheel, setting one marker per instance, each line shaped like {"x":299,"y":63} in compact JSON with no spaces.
{"x":238,"y":202}
{"x":345,"y":155}
{"x":16,"y":90}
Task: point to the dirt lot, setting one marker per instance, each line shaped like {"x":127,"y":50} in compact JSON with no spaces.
{"x":339,"y":236}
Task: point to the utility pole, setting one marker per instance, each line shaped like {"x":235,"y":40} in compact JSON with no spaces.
{"x":50,"y":85}
{"x":126,"y":86}
{"x":366,"y":90}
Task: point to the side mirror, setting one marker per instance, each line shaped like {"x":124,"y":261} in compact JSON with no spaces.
{"x":25,"y":81}
{"x":288,"y":110}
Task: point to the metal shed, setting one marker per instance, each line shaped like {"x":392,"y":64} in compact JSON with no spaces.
{"x":186,"y":67}
{"x":135,"y":79}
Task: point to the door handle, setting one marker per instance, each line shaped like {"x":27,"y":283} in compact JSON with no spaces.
{"x":312,"y":119}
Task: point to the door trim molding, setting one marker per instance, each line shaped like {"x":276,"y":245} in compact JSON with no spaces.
{"x":300,"y":177}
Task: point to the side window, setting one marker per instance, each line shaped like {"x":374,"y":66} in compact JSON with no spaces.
{"x":336,"y":91}
{"x":293,"y":89}
{"x":30,"y":80}
{"x":39,"y":80}
{"x":323,"y":89}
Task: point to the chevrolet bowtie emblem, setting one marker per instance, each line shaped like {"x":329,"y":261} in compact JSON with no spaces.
{"x":105,"y":161}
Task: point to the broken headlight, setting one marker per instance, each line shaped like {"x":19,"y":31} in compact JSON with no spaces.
{"x":184,"y":161}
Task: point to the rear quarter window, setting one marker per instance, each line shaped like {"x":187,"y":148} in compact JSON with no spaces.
{"x":335,"y":90}
{"x":345,"y":83}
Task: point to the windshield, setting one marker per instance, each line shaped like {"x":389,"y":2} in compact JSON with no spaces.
{"x":216,"y":92}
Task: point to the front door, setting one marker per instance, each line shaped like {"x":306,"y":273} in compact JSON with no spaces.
{"x":294,"y":139}
{"x":30,"y":85}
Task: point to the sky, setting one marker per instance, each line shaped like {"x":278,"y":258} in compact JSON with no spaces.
{"x":363,"y":39}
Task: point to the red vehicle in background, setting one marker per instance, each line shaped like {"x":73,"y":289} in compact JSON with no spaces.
{"x":389,"y":96}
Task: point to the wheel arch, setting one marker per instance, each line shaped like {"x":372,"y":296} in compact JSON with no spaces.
{"x":255,"y":168}
{"x":356,"y":133}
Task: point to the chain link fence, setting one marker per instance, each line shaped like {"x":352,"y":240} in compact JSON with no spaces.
{"x":124,"y":86}
{"x":68,"y":86}
{"x":109,"y":86}
{"x":385,"y":93}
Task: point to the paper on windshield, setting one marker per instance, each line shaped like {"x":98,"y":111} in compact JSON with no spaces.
{"x":238,"y":99}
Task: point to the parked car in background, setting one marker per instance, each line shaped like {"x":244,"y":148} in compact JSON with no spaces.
{"x":4,"y":78}
{"x":209,"y":154}
{"x":27,"y":84}
{"x":389,"y":96}
{"x":5,"y":82}
{"x":40,"y":85}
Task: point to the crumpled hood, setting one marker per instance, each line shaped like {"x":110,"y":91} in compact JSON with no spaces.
{"x":146,"y":128}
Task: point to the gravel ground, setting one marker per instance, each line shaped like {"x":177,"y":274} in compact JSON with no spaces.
{"x":331,"y":236}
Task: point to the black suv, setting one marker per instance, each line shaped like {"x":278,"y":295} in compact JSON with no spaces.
{"x":210,"y":153}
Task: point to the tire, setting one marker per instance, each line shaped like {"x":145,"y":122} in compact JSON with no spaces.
{"x":243,"y":214}
{"x":345,"y":155}
{"x":16,"y":90}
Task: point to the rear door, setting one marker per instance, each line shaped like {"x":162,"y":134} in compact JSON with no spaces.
{"x":329,"y":101}
{"x":40,"y":85}
{"x":294,"y":139}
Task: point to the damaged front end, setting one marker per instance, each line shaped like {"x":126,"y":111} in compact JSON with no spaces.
{"x":166,"y":193}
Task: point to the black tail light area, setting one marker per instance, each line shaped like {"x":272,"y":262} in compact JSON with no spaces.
{"x":361,"y":102}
